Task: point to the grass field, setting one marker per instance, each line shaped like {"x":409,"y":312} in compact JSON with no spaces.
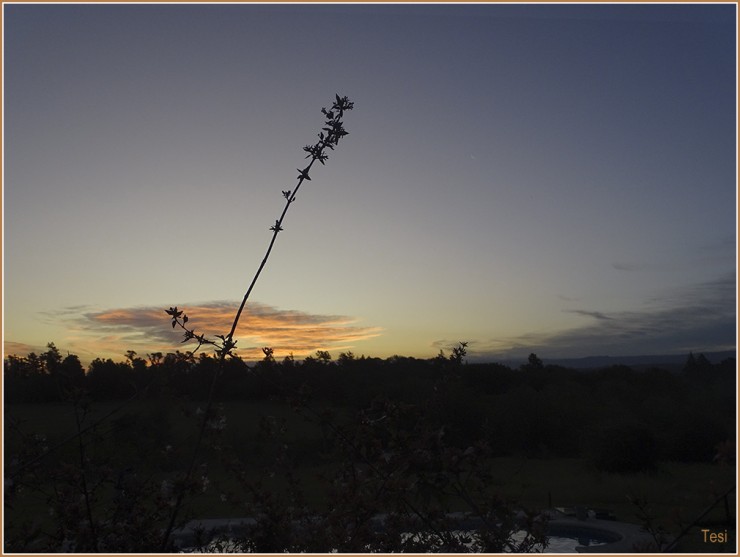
{"x":675,"y":492}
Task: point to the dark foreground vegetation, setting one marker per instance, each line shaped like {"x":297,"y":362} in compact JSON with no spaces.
{"x":315,"y":449}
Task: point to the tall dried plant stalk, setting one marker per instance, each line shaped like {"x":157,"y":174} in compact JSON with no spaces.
{"x":329,"y":136}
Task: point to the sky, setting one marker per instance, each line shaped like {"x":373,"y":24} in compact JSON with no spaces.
{"x":558,"y":179}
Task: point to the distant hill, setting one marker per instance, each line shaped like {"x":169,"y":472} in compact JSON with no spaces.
{"x":671,"y":362}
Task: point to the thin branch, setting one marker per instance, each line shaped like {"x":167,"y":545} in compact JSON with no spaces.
{"x":334,"y":132}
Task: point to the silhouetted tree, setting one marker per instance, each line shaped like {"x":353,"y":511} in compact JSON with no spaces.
{"x":35,"y":364}
{"x":269,"y":354}
{"x":72,"y":371}
{"x":16,"y":366}
{"x":109,"y":380}
{"x":27,"y":380}
{"x":346,"y":358}
{"x":155,"y":358}
{"x":459,"y":352}
{"x":52,"y":358}
{"x":698,"y":367}
{"x":533,"y":363}
{"x":440,"y":358}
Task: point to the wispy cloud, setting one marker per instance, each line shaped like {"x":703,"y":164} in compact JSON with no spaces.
{"x":111,"y":332}
{"x":594,"y":314}
{"x":21,"y":348}
{"x":697,"y":318}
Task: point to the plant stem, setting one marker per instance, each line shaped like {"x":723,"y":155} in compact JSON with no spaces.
{"x":277,"y":228}
{"x":221,"y":361}
{"x":194,"y":457}
{"x":83,"y":478}
{"x":334,"y":133}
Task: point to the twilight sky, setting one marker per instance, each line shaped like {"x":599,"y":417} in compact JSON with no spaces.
{"x":558,"y":179}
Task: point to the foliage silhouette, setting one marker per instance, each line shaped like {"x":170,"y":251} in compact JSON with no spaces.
{"x":502,"y":411}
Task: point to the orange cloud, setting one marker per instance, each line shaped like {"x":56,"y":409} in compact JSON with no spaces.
{"x":110,"y":333}
{"x":21,"y":348}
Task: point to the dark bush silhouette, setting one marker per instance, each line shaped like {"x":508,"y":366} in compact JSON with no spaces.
{"x":695,"y":439}
{"x":624,"y":449}
{"x":624,"y":421}
{"x":109,"y":380}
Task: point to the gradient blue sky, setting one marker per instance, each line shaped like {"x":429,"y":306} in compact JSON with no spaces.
{"x":558,"y":179}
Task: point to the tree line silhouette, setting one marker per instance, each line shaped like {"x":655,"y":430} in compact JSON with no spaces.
{"x":622,"y":418}
{"x":399,"y":437}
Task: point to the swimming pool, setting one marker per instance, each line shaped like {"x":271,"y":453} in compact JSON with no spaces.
{"x":564,"y":535}
{"x":565,"y":538}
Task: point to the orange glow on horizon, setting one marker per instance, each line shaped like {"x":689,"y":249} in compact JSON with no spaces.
{"x":111,"y":333}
